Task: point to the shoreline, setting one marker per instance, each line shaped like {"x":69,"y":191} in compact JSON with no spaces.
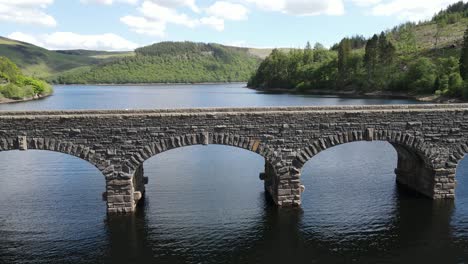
{"x":13,"y":101}
{"x":370,"y":95}
{"x":148,"y":84}
{"x":326,"y":92}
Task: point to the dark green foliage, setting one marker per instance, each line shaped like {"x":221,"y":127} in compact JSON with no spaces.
{"x":273,"y":72}
{"x":14,"y":85}
{"x":8,"y":70}
{"x":453,"y":13}
{"x":371,"y":58}
{"x":38,"y":86}
{"x":465,"y":90}
{"x":12,"y":91}
{"x":448,"y":80}
{"x":292,"y":70}
{"x":355,"y":42}
{"x":464,"y":58}
{"x":421,"y":76}
{"x":378,"y":60}
{"x":378,"y":68}
{"x":171,"y":62}
{"x":392,"y":61}
{"x":344,"y":52}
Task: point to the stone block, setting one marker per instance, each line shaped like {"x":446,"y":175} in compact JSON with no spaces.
{"x":22,"y":143}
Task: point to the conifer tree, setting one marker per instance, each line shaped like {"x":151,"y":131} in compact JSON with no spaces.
{"x":464,"y":58}
{"x":308,"y":53}
{"x":371,"y":57}
{"x":344,"y":52}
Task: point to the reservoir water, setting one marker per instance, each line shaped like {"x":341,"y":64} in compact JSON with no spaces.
{"x":206,"y":204}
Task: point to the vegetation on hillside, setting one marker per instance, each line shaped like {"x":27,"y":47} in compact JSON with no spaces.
{"x":42,"y":63}
{"x":15,"y":85}
{"x":426,"y":58}
{"x":170,"y":62}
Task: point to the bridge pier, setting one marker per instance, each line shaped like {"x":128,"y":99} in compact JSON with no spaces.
{"x":436,"y":180}
{"x":124,"y":194}
{"x":139,"y":182}
{"x":412,"y":172}
{"x":282,"y":185}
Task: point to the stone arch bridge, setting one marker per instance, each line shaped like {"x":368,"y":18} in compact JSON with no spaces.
{"x":430,"y":141}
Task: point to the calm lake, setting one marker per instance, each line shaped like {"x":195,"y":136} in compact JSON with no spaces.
{"x":206,"y":204}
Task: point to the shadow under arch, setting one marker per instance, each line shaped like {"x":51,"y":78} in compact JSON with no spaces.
{"x":416,"y":168}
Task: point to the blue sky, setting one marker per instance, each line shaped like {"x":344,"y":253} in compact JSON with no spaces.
{"x":127,"y":24}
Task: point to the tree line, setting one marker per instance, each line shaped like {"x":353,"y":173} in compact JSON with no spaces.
{"x":170,"y":62}
{"x":386,"y":62}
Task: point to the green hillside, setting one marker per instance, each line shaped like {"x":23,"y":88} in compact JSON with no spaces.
{"x":39,"y":62}
{"x":413,"y":58}
{"x":170,"y":62}
{"x":14,"y":85}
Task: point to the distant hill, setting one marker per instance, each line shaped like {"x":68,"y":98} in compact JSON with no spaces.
{"x":170,"y":62}
{"x":39,"y":62}
{"x":162,"y":62}
{"x":189,"y":62}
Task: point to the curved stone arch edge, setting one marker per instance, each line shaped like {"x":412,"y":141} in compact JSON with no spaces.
{"x":80,"y":151}
{"x":162,"y":145}
{"x":410,"y":141}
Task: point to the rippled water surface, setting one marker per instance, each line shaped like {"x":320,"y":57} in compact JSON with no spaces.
{"x":205,"y":204}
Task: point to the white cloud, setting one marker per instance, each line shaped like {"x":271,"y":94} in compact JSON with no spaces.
{"x":156,"y":12}
{"x":228,"y":11}
{"x":214,"y":22}
{"x":26,"y":12}
{"x":314,"y":7}
{"x":366,"y":2}
{"x":268,"y":5}
{"x":24,"y":38}
{"x":69,"y":40}
{"x":154,"y":17}
{"x":177,"y":3}
{"x":301,"y":7}
{"x":109,"y":2}
{"x":143,"y":26}
{"x":414,"y":10}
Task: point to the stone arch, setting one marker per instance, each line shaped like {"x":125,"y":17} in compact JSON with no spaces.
{"x":457,"y":154}
{"x":447,"y":182}
{"x":418,"y":160}
{"x":61,"y":146}
{"x":163,"y":145}
{"x":132,"y":168}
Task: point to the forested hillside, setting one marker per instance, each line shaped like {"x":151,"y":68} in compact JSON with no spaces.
{"x":171,"y":62}
{"x":413,"y":58}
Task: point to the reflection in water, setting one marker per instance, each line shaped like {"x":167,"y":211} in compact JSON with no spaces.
{"x":398,"y":227}
{"x":51,"y":209}
{"x":177,"y":96}
{"x":207,"y":205}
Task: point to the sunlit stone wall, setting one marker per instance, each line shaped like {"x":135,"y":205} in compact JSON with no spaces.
{"x":429,"y":139}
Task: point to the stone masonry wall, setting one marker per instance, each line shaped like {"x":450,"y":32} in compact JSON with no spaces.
{"x":430,"y":140}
